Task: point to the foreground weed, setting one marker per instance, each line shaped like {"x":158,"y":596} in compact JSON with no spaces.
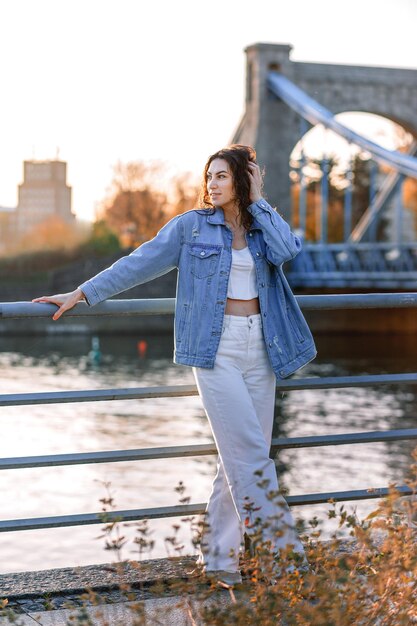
{"x":365,"y":575}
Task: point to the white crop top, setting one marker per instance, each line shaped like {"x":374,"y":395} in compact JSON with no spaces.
{"x":242,"y":279}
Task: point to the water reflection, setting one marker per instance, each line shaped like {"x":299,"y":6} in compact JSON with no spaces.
{"x":63,"y":363}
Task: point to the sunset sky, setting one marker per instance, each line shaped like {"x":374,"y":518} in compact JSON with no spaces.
{"x":109,"y":80}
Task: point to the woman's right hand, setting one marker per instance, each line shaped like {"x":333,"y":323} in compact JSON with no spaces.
{"x":65,"y":301}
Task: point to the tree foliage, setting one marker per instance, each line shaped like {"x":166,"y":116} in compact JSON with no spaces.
{"x":103,"y":240}
{"x":52,"y":234}
{"x":140,"y":200}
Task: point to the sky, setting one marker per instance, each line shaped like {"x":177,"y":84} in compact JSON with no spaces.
{"x":101,"y":81}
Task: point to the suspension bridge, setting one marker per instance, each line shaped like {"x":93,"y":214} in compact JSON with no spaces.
{"x":377,"y":246}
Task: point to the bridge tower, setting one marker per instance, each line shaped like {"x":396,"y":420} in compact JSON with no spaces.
{"x":273,"y":128}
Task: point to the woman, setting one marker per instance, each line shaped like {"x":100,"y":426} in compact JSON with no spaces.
{"x":238,"y":325}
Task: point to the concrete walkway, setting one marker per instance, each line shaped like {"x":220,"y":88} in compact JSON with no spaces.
{"x":52,"y":597}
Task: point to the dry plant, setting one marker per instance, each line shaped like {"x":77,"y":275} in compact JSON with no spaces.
{"x":365,"y":575}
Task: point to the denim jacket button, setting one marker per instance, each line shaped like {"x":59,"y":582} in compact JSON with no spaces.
{"x":262,"y":284}
{"x":258,"y":254}
{"x":202,"y":253}
{"x":265,"y":314}
{"x":270,"y":344}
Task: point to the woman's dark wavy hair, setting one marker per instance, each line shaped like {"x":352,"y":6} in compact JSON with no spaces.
{"x":237,"y":157}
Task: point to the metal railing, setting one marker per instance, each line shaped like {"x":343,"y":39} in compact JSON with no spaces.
{"x":377,"y":265}
{"x":19,"y":310}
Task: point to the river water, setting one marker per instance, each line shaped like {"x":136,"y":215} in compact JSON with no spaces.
{"x":53,"y":363}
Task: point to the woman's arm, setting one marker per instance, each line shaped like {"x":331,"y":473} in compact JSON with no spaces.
{"x":281,"y":243}
{"x":152,"y":259}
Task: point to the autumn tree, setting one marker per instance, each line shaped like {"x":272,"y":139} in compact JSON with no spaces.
{"x":53,"y":233}
{"x":103,"y":240}
{"x":142,"y":198}
{"x":184,"y":193}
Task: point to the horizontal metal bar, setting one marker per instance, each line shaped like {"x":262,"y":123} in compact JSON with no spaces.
{"x":109,"y":456}
{"x":339,"y":382}
{"x":97,"y":395}
{"x":170,"y":452}
{"x":86,"y":519}
{"x":344,"y":439}
{"x":345,"y":496}
{"x":358,"y":301}
{"x":364,"y":282}
{"x":176,"y":391}
{"x":14,"y":310}
{"x":61,"y":521}
{"x":148,"y":306}
{"x":356,"y":275}
{"x":353,"y":247}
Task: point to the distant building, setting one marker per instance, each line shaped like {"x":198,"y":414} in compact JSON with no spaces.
{"x":44,"y":193}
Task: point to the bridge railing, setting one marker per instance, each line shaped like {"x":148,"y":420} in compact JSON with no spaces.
{"x":366,"y":264}
{"x":22,"y":310}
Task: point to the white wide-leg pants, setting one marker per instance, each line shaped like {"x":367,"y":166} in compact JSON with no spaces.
{"x":238,"y":395}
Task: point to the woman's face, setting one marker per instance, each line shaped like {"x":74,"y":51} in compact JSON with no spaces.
{"x":220,"y":183}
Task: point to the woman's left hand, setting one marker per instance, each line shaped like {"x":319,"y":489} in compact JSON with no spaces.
{"x":255,"y":181}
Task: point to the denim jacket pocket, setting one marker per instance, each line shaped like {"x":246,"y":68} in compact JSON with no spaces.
{"x":293,"y":323}
{"x":204,"y":259}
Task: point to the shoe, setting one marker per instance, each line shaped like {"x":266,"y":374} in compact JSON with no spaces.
{"x":302,"y":569}
{"x":197,"y":572}
{"x":224,"y":578}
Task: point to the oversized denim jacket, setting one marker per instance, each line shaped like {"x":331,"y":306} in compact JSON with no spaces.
{"x":199,"y":244}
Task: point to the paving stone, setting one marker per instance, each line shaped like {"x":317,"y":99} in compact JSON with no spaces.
{"x":32,"y":605}
{"x":14,"y":605}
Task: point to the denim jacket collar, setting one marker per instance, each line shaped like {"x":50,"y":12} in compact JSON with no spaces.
{"x":217,"y":217}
